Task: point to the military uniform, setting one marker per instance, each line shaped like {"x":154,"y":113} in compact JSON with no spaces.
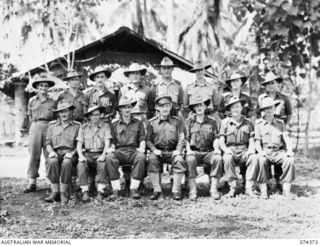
{"x":93,"y":142}
{"x":247,"y":110}
{"x":63,"y":140}
{"x":144,"y":96}
{"x":206,"y":90}
{"x":284,"y":109}
{"x":79,"y":101}
{"x":105,"y":99}
{"x":40,"y":113}
{"x":271,"y":137}
{"x":237,"y":135}
{"x":126,"y":138}
{"x":201,"y":137}
{"x":172,"y":89}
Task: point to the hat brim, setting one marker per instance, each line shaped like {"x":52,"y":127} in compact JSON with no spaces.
{"x":36,"y":83}
{"x":242,"y":101}
{"x":70,"y":77}
{"x":243,"y":80}
{"x":160,"y":66}
{"x":277,"y":79}
{"x":263,"y":108}
{"x":107,"y":73}
{"x":122,"y":105}
{"x":163,"y":97}
{"x":142,"y":72}
{"x":199,"y":68}
{"x":101,"y":109}
{"x":206,"y":102}
{"x":71,"y":107}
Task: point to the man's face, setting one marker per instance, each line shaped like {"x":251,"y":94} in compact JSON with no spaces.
{"x":272,"y":86}
{"x":43,"y":87}
{"x":126,"y":110}
{"x":166,"y":72}
{"x":269,"y":111}
{"x":65,"y":115}
{"x":165,"y":109}
{"x":236,"y":109}
{"x":100,"y":79}
{"x":200,"y":108}
{"x":95,"y":116}
{"x":74,"y":82}
{"x":135,"y":77}
{"x":236,"y":84}
{"x":200,"y":74}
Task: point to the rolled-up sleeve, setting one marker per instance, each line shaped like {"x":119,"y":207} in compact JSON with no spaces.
{"x":80,"y":135}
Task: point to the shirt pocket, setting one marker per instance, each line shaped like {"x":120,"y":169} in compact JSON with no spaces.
{"x":245,"y":134}
{"x":195,"y":137}
{"x":276,"y":137}
{"x":56,"y":139}
{"x":265,"y":137}
{"x":88,"y":140}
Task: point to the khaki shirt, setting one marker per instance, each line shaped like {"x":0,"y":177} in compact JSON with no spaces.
{"x":236,"y":133}
{"x":80,"y":103}
{"x":38,"y":110}
{"x":172,"y":89}
{"x":270,"y":135}
{"x":60,"y":137}
{"x":201,"y":135}
{"x":128,"y":135}
{"x":247,"y":109}
{"x":144,"y":96}
{"x":93,"y":139}
{"x":106,"y":99}
{"x":206,"y":90}
{"x":166,"y":134}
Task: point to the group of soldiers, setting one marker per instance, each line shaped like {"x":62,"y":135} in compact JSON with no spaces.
{"x":143,"y":127}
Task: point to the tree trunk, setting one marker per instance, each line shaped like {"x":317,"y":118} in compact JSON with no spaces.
{"x":139,"y":18}
{"x":170,"y":26}
{"x":20,"y":109}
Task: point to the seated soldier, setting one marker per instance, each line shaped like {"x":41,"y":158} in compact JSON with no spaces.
{"x":128,"y":146}
{"x":93,"y":143}
{"x":61,"y":146}
{"x":271,"y":140}
{"x":202,"y":145}
{"x":237,"y":143}
{"x":166,"y":141}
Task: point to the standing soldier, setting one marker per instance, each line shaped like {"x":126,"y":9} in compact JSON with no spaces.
{"x":100,"y":95}
{"x":202,"y":146}
{"x":166,"y":141}
{"x":201,"y":87}
{"x":61,"y":146}
{"x":40,"y":113}
{"x":234,"y":84}
{"x":169,"y":86}
{"x":272,"y":84}
{"x":128,"y":146}
{"x":136,"y":91}
{"x":93,"y":142}
{"x":237,"y":143}
{"x":271,"y":140}
{"x":74,"y":96}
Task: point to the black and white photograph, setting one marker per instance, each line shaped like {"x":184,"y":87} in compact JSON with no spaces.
{"x":159,"y":119}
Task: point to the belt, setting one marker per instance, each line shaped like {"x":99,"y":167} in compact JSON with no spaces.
{"x":237,"y":144}
{"x":45,"y":120}
{"x":272,"y":147}
{"x":166,"y":149}
{"x":201,"y":149}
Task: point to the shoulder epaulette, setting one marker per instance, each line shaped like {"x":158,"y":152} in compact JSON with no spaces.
{"x":175,"y":117}
{"x":114,"y":120}
{"x":154,"y":118}
{"x":226,"y":94}
{"x":211,"y":117}
{"x":52,"y":122}
{"x":76,"y":122}
{"x":258,"y":121}
{"x":280,"y":120}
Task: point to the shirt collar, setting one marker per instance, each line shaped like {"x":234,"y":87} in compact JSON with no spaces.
{"x":60,"y":123}
{"x":164,"y":83}
{"x":204,"y":84}
{"x":121,"y":121}
{"x":236,"y":122}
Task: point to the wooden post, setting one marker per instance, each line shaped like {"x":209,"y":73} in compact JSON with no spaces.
{"x":20,"y":108}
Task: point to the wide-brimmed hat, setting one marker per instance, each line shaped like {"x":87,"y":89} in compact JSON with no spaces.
{"x":92,"y":108}
{"x":72,"y":74}
{"x":197,"y":100}
{"x":166,"y":62}
{"x":271,"y":77}
{"x":234,"y":100}
{"x":42,"y":78}
{"x":234,"y":76}
{"x":268,"y":102}
{"x":161,"y":100}
{"x":62,"y":105}
{"x":100,"y":69}
{"x":199,"y":65}
{"x":135,"y":67}
{"x":124,"y":101}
